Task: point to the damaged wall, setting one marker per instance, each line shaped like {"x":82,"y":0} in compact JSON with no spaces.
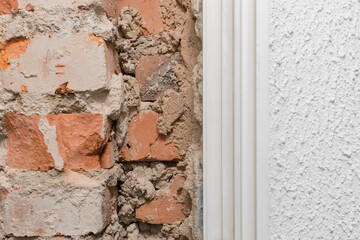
{"x":100,"y":130}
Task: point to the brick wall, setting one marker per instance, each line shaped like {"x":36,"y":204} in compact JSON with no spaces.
{"x":99,"y":137}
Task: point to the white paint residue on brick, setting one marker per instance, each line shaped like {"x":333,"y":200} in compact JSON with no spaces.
{"x":50,"y":141}
{"x":50,"y":62}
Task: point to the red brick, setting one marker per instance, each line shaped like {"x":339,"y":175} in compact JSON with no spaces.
{"x":107,"y":158}
{"x":12,"y":49}
{"x":150,"y":12}
{"x":29,"y":8}
{"x":155,"y":75}
{"x":7,"y":6}
{"x":80,"y":144}
{"x":79,"y":139}
{"x":142,"y":132}
{"x":26,"y":145}
{"x":165,"y":209}
{"x":144,"y":142}
{"x":163,"y":149}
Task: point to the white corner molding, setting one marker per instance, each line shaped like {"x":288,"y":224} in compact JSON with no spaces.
{"x":262,"y":119}
{"x":229,"y":120}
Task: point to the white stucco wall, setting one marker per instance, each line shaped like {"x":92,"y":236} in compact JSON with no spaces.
{"x":314,"y":95}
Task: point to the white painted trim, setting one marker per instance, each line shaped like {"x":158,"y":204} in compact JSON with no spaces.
{"x":262,"y":121}
{"x":248,"y":119}
{"x":237,"y":119}
{"x":229,"y":120}
{"x":212,"y":131}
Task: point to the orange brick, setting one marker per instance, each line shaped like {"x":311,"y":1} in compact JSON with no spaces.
{"x":7,"y":6}
{"x":29,"y":8}
{"x":163,"y":210}
{"x":79,"y":139}
{"x":163,"y":149}
{"x":26,"y":145}
{"x":150,"y":12}
{"x":79,"y":142}
{"x":107,"y":158}
{"x":144,"y":142}
{"x":11,"y":50}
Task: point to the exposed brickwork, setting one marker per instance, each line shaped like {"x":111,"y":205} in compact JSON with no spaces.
{"x":165,"y":209}
{"x":150,"y":12}
{"x":144,"y":142}
{"x":27,"y":148}
{"x":164,"y":150}
{"x":98,"y":138}
{"x":7,"y":6}
{"x":155,"y":75}
{"x":107,"y":158}
{"x":29,"y":8}
{"x":48,"y":65}
{"x":110,"y":7}
{"x":79,"y":139}
{"x":63,"y":88}
{"x":70,"y":204}
{"x":12,"y":49}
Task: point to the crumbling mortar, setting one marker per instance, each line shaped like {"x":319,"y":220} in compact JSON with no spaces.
{"x":50,"y":21}
{"x":53,"y":103}
{"x":129,"y":52}
{"x":134,"y":52}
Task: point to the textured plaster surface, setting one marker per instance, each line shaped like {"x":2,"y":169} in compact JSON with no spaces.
{"x":314,"y":124}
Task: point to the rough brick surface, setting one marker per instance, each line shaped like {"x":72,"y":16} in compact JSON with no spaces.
{"x":144,"y":142}
{"x":69,"y":204}
{"x":150,"y":12}
{"x":155,"y":75}
{"x":63,"y":141}
{"x":29,"y":8}
{"x":82,"y":60}
{"x":107,"y":158}
{"x":65,"y":106}
{"x":12,"y":50}
{"x":26,"y":144}
{"x":110,"y":6}
{"x":79,"y":139}
{"x":165,"y":209}
{"x":7,"y":6}
{"x":164,"y":150}
{"x":3,"y":193}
